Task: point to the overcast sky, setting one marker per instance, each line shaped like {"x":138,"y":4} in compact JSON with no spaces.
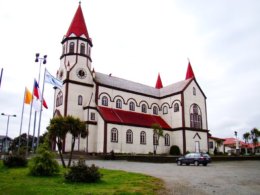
{"x":136,"y":40}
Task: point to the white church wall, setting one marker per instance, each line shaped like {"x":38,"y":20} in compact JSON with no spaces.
{"x":177,"y":139}
{"x":136,"y":147}
{"x":174,"y":119}
{"x":92,"y":139}
{"x":99,"y":139}
{"x":68,"y":142}
{"x":192,"y":137}
{"x":198,"y":99}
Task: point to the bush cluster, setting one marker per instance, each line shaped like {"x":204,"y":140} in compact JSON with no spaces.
{"x":44,"y":163}
{"x":80,"y":172}
{"x":175,"y":150}
{"x":15,"y":161}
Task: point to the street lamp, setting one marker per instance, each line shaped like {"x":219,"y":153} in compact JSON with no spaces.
{"x":42,"y":60}
{"x":237,"y":144}
{"x":8,"y":116}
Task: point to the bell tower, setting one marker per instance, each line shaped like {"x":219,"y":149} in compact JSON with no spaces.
{"x":75,"y":69}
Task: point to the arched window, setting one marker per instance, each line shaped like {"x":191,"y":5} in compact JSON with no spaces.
{"x":118,"y":103}
{"x":80,"y":100}
{"x":194,"y":90}
{"x":142,"y":137}
{"x":167,"y":139}
{"x":144,"y":109}
{"x":132,"y":106}
{"x":195,"y":117}
{"x":165,"y":110}
{"x":82,"y":48}
{"x":129,"y":136}
{"x":155,"y":139}
{"x":155,"y":110}
{"x":104,"y":101}
{"x":176,"y":107}
{"x":114,"y":135}
{"x":59,"y":99}
{"x":71,"y":48}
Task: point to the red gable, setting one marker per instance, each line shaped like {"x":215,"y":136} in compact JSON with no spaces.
{"x":131,"y":118}
{"x":78,"y":25}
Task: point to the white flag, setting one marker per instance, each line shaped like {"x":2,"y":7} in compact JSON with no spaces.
{"x":52,"y":80}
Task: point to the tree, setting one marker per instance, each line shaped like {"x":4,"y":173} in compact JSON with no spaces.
{"x":246,"y":137}
{"x":76,"y":128}
{"x":60,"y":126}
{"x":23,"y":144}
{"x":57,"y":132}
{"x":157,"y":133}
{"x":254,"y":135}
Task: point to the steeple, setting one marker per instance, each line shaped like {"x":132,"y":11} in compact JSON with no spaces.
{"x":78,"y":25}
{"x":189,"y":73}
{"x":158,"y":84}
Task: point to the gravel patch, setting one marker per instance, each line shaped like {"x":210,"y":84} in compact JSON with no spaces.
{"x":234,"y":177}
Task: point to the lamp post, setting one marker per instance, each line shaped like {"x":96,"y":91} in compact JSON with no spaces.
{"x":8,"y":117}
{"x":42,"y":60}
{"x":237,"y":144}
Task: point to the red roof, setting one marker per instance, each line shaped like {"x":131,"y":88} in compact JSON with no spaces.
{"x":189,"y":73}
{"x":78,"y":25}
{"x":159,"y":84}
{"x":131,"y":118}
{"x":232,"y":142}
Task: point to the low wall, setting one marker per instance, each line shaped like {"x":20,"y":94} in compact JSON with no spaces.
{"x":172,"y":159}
{"x":156,"y":158}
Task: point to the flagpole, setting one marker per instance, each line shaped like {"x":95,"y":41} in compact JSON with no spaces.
{"x":42,"y":60}
{"x":21,"y":124}
{"x":1,"y":75}
{"x":40,"y":117}
{"x":29,"y":126}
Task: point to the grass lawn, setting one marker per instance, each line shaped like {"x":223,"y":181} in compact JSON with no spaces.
{"x":17,"y":181}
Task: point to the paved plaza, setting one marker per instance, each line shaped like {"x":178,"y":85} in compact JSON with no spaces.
{"x":233,"y":177}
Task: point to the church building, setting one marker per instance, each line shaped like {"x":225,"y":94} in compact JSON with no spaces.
{"x":120,"y":113}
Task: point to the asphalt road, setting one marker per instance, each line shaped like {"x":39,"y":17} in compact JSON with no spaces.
{"x":234,"y":177}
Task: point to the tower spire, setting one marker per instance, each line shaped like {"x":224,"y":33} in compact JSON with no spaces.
{"x":78,"y":25}
{"x":189,"y":73}
{"x":158,"y":84}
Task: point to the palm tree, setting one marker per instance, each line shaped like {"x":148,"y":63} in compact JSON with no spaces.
{"x":60,"y":126}
{"x":255,"y":134}
{"x":157,"y":133}
{"x":246,"y":137}
{"x":57,"y":132}
{"x":76,"y":128}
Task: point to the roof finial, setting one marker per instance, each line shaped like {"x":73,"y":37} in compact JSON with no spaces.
{"x":79,"y":2}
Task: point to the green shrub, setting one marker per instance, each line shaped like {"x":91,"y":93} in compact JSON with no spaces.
{"x":44,"y":163}
{"x":175,"y":150}
{"x":80,"y":172}
{"x":15,"y":161}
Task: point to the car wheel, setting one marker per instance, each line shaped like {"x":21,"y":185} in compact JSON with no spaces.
{"x":196,"y":163}
{"x":179,"y":162}
{"x":205,"y":164}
